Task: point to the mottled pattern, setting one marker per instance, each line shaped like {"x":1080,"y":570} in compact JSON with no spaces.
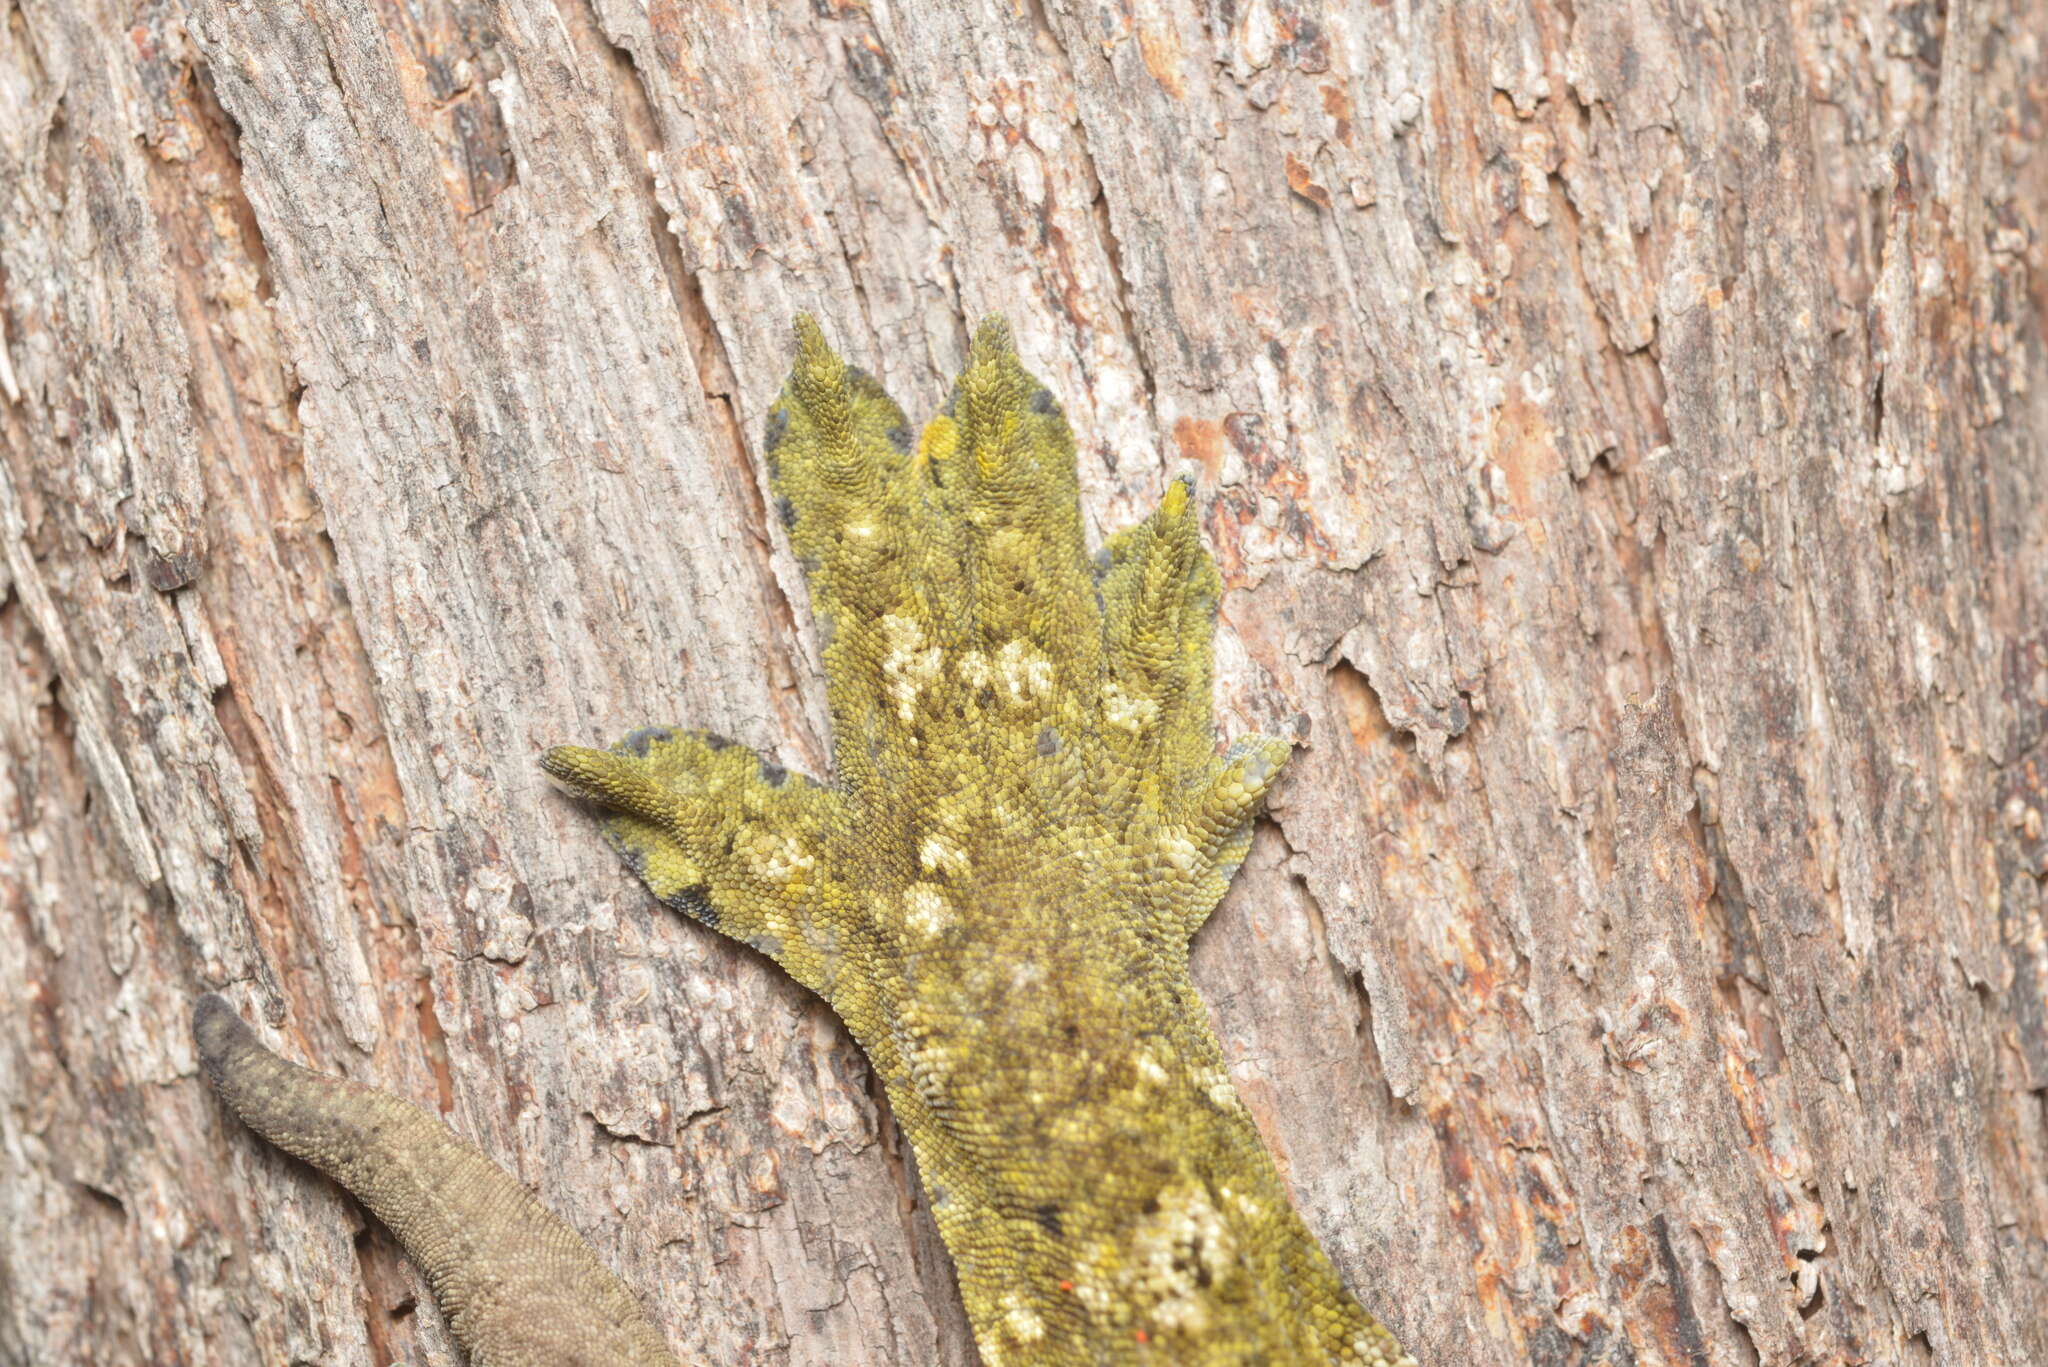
{"x":520,"y":1288}
{"x":1029,"y":820}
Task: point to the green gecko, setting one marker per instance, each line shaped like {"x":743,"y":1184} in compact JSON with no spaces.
{"x":1029,"y":819}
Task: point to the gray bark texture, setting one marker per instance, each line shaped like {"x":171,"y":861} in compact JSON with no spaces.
{"x":1623,"y":428}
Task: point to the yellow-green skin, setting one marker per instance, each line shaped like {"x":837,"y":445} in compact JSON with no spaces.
{"x":1028,"y":822}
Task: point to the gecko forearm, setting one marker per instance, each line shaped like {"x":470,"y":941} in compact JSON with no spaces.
{"x":519,"y":1286}
{"x":1118,"y":1196}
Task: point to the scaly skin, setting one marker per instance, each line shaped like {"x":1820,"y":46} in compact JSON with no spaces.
{"x":520,"y":1288}
{"x":1028,"y":822}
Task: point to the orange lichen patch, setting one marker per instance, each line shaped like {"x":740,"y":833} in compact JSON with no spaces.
{"x":1269,"y":516}
{"x":1363,"y":715}
{"x":1000,"y":113}
{"x":1796,"y":1217}
{"x":1525,"y":447}
{"x":1301,"y":179}
{"x":1630,"y":1264}
{"x":1200,"y":441}
{"x":1159,"y":48}
{"x":443,"y":57}
{"x":1226,"y":524}
{"x":1337,"y":105}
{"x":1469,"y":959}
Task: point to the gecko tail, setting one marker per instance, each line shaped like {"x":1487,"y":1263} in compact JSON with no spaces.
{"x":220,"y":1034}
{"x":520,"y":1287}
{"x":270,"y":1094}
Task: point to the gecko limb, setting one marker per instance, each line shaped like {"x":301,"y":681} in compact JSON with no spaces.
{"x":1028,"y":818}
{"x":520,"y":1288}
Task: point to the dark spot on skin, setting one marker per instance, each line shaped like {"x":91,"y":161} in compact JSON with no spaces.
{"x":1151,"y":1206}
{"x":786,"y":510}
{"x":717,"y":742}
{"x":777,"y":428}
{"x":773,"y":774}
{"x":1043,"y":402}
{"x":1048,"y":742}
{"x":638,"y":741}
{"x":1048,"y":1218}
{"x":1102,"y":564}
{"x":695,"y":903}
{"x":899,"y":437}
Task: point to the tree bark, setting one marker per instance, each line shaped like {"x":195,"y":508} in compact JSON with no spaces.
{"x":1624,"y":434}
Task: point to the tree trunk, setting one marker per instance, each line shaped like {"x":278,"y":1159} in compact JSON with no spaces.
{"x":1623,"y":429}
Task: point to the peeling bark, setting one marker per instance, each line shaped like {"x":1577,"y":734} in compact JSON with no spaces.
{"x":1625,"y":436}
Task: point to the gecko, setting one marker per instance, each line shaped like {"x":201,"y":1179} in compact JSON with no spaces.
{"x":1028,"y":818}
